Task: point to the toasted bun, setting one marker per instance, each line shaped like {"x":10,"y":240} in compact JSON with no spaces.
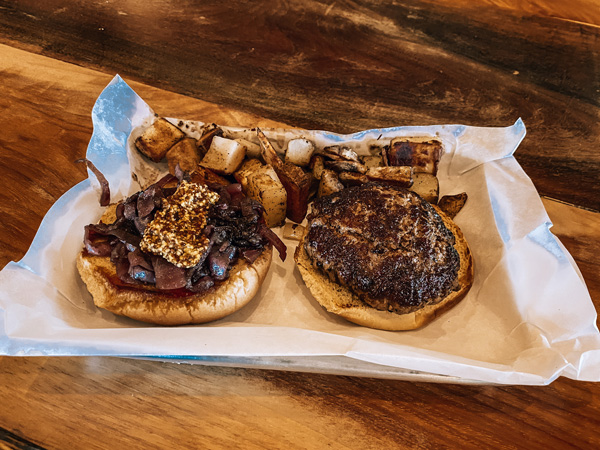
{"x":338,"y":299}
{"x":152,"y":306}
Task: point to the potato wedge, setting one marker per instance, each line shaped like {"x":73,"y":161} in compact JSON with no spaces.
{"x":158,"y":138}
{"x":184,"y":153}
{"x":346,"y":166}
{"x":294,"y":179}
{"x":352,"y":178}
{"x":452,"y":204}
{"x":224,"y":155}
{"x":426,"y":185}
{"x":400,"y":175}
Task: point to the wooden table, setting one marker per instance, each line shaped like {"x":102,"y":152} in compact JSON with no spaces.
{"x":341,"y":66}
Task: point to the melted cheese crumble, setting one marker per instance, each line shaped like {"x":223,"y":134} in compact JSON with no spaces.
{"x":175,"y":233}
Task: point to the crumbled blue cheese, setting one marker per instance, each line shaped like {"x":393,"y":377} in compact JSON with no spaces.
{"x":175,"y":233}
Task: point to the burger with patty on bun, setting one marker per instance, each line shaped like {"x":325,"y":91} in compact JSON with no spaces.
{"x":382,"y":257}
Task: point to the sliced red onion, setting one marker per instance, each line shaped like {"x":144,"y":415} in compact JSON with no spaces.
{"x":270,"y":236}
{"x":168,"y":276}
{"x":105,"y":188}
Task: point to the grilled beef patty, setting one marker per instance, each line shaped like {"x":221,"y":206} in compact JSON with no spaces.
{"x":386,"y":244}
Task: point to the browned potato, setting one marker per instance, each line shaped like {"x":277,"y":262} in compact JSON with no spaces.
{"x":269,"y":191}
{"x":352,"y":178}
{"x":224,"y":155}
{"x":452,"y":204}
{"x":248,"y":167}
{"x":252,"y":149}
{"x":317,"y":165}
{"x":426,"y":185}
{"x":294,"y":179}
{"x":260,"y":182}
{"x":208,"y":134}
{"x":422,"y":155}
{"x":184,"y":153}
{"x":329,"y":184}
{"x":299,"y":152}
{"x":400,"y":175}
{"x":340,"y":153}
{"x":346,"y":166}
{"x":158,"y":138}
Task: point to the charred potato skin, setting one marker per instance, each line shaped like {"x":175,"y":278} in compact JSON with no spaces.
{"x":453,"y":204}
{"x":158,"y":138}
{"x":183,"y":154}
{"x":424,"y":156}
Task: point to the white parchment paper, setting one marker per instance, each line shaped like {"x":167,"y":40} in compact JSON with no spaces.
{"x":527,"y":319}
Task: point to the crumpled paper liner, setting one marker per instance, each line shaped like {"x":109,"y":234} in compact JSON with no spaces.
{"x":528,"y":318}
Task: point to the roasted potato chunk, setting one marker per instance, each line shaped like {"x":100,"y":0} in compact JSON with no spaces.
{"x":299,"y":152}
{"x":252,"y":149}
{"x":329,"y":184}
{"x":372,"y":161}
{"x":158,"y":138}
{"x":427,"y":186}
{"x":247,"y":169}
{"x":422,"y":155}
{"x":206,"y":176}
{"x":317,"y":165}
{"x":260,"y":182}
{"x":400,"y":175}
{"x":452,"y":204}
{"x":224,"y":155}
{"x":339,"y":153}
{"x":346,"y":166}
{"x":271,"y":194}
{"x":352,"y":178}
{"x":205,"y":141}
{"x":294,"y":179}
{"x":185,"y":154}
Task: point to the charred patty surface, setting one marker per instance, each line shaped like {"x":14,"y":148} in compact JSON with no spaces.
{"x":386,"y":244}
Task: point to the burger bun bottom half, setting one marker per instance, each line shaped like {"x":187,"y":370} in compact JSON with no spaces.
{"x":339,"y":300}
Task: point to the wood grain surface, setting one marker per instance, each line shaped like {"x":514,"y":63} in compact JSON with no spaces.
{"x":294,"y":63}
{"x":347,"y":66}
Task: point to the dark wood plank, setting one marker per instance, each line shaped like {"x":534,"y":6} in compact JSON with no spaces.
{"x":11,"y":441}
{"x":116,"y":403}
{"x":349,"y":66}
